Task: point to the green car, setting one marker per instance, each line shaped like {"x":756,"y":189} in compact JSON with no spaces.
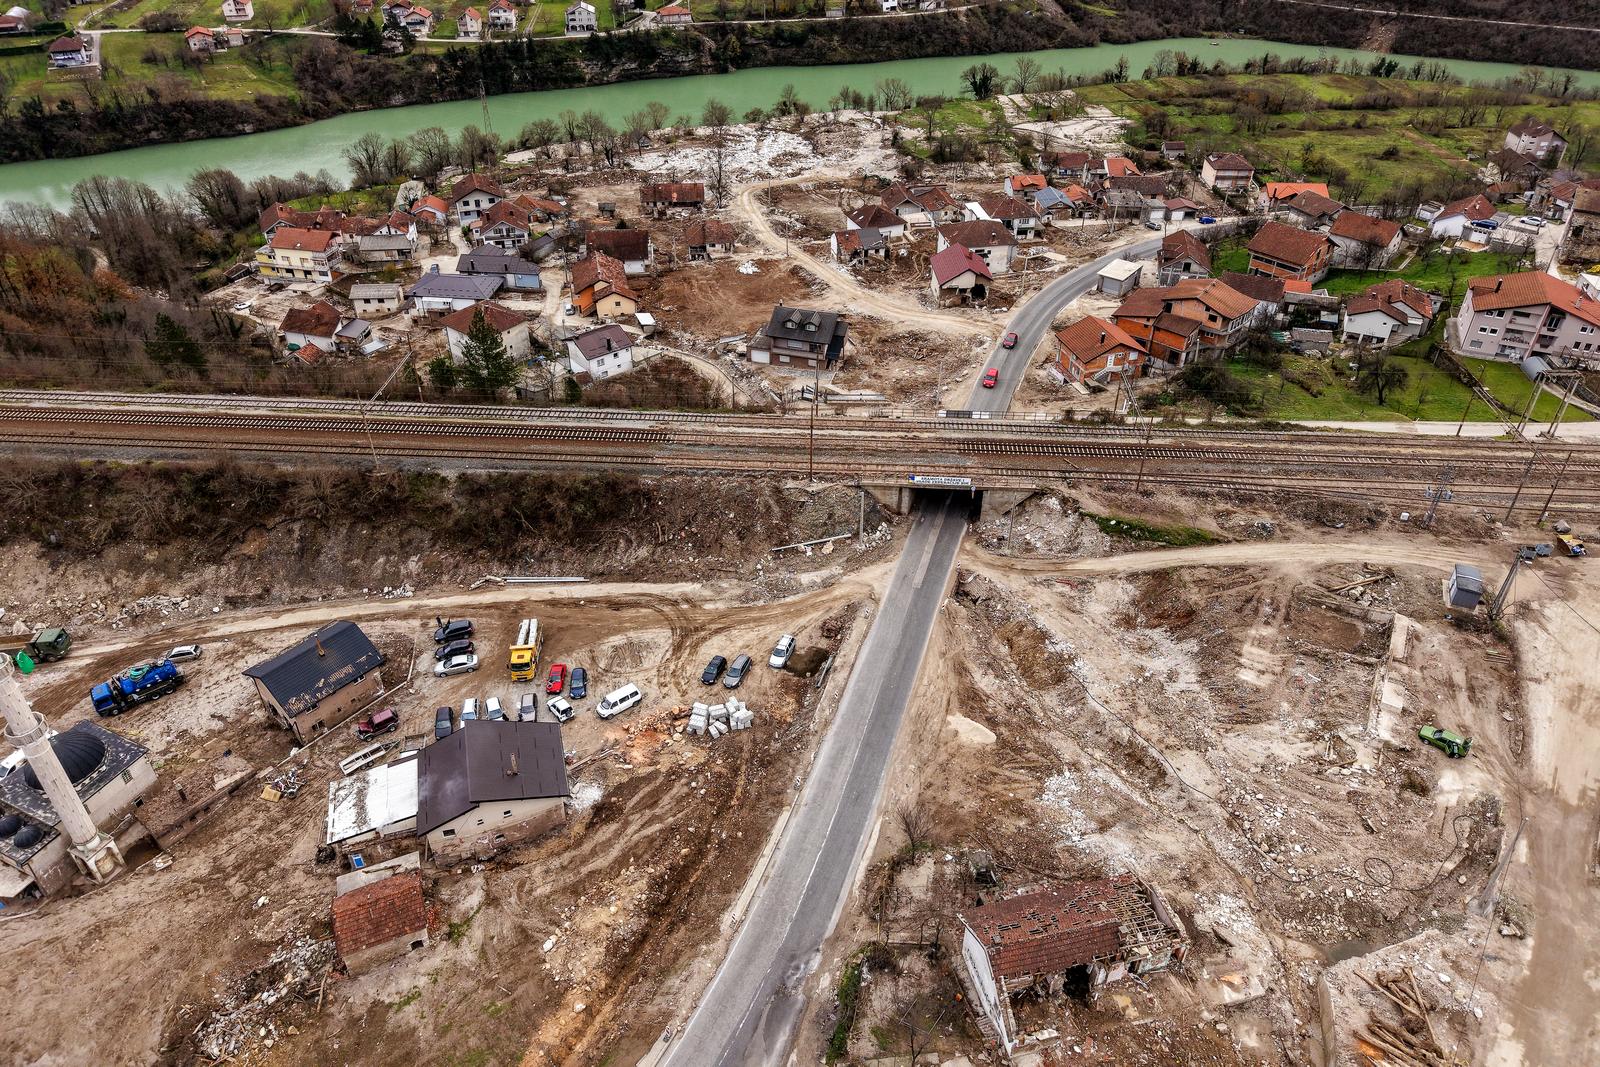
{"x":1451,"y":744}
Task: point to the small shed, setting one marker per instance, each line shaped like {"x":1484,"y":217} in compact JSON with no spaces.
{"x":1119,"y":277}
{"x":1466,"y":587}
{"x":380,"y":922}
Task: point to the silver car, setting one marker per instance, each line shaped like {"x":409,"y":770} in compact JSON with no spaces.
{"x":781,"y":652}
{"x":462,"y":664}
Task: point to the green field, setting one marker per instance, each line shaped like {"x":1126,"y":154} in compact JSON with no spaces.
{"x":1511,"y":387}
{"x":131,"y":60}
{"x":1436,"y":272}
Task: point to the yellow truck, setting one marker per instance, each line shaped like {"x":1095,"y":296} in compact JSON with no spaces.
{"x":524,"y":658}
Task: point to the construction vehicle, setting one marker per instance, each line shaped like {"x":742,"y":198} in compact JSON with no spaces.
{"x":1569,"y":541}
{"x":524,"y":656}
{"x":42,"y":647}
{"x":135,"y":686}
{"x":1449,"y":742}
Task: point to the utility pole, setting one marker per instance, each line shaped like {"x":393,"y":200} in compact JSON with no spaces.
{"x":1438,"y":492}
{"x":1544,"y":513}
{"x":1144,"y":453}
{"x":1497,"y":607}
{"x":1471,"y":396}
{"x":1518,"y":494}
{"x":811,"y":441}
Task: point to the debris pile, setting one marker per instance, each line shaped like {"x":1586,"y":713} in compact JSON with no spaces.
{"x":718,"y":719}
{"x":1413,"y":1042}
{"x":246,"y":1014}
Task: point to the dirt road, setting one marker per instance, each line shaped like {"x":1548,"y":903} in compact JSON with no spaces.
{"x":1256,"y":553}
{"x":845,"y":289}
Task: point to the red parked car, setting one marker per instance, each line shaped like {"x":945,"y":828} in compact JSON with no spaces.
{"x":558,"y":680}
{"x":1009,"y":340}
{"x":991,"y":377}
{"x":384,"y":721}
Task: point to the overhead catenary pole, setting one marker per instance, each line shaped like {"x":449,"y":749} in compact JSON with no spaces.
{"x":1544,"y":512}
{"x":1526,"y":469}
{"x":1497,"y":607}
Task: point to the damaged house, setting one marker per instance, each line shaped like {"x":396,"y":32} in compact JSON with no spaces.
{"x":1074,"y":937}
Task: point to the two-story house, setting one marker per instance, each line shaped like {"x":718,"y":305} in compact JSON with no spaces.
{"x":504,"y":225}
{"x":989,"y":240}
{"x":1280,"y":251}
{"x":1182,"y":255}
{"x":1018,"y":216}
{"x":469,"y":23}
{"x":603,"y":352}
{"x":600,"y":288}
{"x":922,"y":205}
{"x":1096,"y":350}
{"x":502,"y":16}
{"x":581,"y":18}
{"x":1227,"y":172}
{"x":300,"y":256}
{"x":1536,"y":139}
{"x":473,"y":195}
{"x":801,"y":339}
{"x":1388,"y":313}
{"x":1225,"y":315}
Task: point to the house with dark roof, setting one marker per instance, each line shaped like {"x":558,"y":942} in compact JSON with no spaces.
{"x":799,"y":338}
{"x":1227,"y":172}
{"x":1182,"y":255}
{"x":1363,"y":241}
{"x":436,"y":294}
{"x":70,"y":51}
{"x":1072,"y":165}
{"x":513,"y":269}
{"x":316,"y":684}
{"x":959,"y":275}
{"x":1290,"y":253}
{"x":876,"y":217}
{"x":309,"y":328}
{"x":1083,"y":934}
{"x":661,"y":198}
{"x":1508,"y":165}
{"x":1096,"y":350}
{"x":1312,"y":209}
{"x":987,"y":239}
{"x":857,"y":246}
{"x":507,"y":225}
{"x":1018,"y":216}
{"x":490,"y":786}
{"x":631,"y":248}
{"x":709,"y":238}
{"x":380,"y":921}
{"x":1536,"y":139}
{"x":603,"y":352}
{"x":1258,"y":287}
{"x":922,"y":205}
{"x":473,"y":195}
{"x":1174,"y":151}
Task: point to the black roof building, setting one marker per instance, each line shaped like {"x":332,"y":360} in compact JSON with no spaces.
{"x":91,"y":755}
{"x":487,"y":259}
{"x":487,"y":762}
{"x":815,"y":331}
{"x":324,"y":663}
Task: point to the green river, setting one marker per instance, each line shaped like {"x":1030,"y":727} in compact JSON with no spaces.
{"x":318,"y":145}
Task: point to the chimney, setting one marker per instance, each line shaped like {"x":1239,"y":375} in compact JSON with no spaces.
{"x":320,"y":650}
{"x":511,"y":771}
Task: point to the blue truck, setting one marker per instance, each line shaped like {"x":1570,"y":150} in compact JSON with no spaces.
{"x":135,"y":686}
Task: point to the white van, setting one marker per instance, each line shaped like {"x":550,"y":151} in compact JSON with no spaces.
{"x":619,"y":700}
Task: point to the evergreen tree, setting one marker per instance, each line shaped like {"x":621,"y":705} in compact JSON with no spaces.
{"x":442,"y":373}
{"x":486,"y":366}
{"x":171,"y":343}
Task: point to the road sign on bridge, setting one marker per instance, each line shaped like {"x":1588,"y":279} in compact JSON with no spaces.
{"x":940,"y":481}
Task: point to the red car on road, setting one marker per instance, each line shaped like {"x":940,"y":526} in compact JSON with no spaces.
{"x":1009,"y":340}
{"x":991,"y":377}
{"x":558,"y":680}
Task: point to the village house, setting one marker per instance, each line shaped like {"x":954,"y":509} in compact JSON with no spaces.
{"x":513,"y":270}
{"x":1073,"y":166}
{"x":376,"y":300}
{"x":200,"y":39}
{"x":631,"y":248}
{"x":1507,"y":165}
{"x":238,"y":10}
{"x":1182,"y":255}
{"x":581,"y":18}
{"x":1180,"y":208}
{"x":487,"y":788}
{"x":1363,"y":241}
{"x":662,"y":198}
{"x":469,"y":23}
{"x":435,"y":295}
{"x":1080,"y":199}
{"x":1224,"y":314}
{"x":310,"y":328}
{"x":1388,"y":313}
{"x":600,"y":288}
{"x":278,"y":216}
{"x":1025,"y":186}
{"x":1152,"y":186}
{"x":922,"y":206}
{"x":320,"y":682}
{"x":380,"y":921}
{"x":473,"y":195}
{"x":1513,"y":316}
{"x":13,"y":24}
{"x":1096,"y":350}
{"x":1081,"y":935}
{"x":385,"y":248}
{"x":70,"y":51}
{"x":1051,"y":202}
{"x":1130,"y":204}
{"x":877,"y":217}
{"x":709,"y":238}
{"x":1174,"y":151}
{"x":1018,"y":216}
{"x":1227,"y":172}
{"x":505,"y":225}
{"x":511,"y":327}
{"x":674,"y":15}
{"x":431,"y":210}
{"x":1268,"y":292}
{"x":1286,"y":252}
{"x":1310,"y":209}
{"x":502,"y":16}
{"x":1536,"y":139}
{"x":1108,"y":167}
{"x":798,"y":338}
{"x":1455,"y":219}
{"x":294,"y":255}
{"x":989,"y":240}
{"x":857,"y":246}
{"x":959,"y":275}
{"x":602,"y":352}
{"x":1274,"y":195}
{"x":417,"y":19}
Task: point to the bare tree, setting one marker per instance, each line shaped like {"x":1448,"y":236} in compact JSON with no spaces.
{"x":365,"y":156}
{"x":916,"y":822}
{"x":221,"y":197}
{"x":539,"y":134}
{"x":430,"y":152}
{"x":1025,"y":74}
{"x":895,"y":94}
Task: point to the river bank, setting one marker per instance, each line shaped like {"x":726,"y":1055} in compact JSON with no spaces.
{"x":318,"y":146}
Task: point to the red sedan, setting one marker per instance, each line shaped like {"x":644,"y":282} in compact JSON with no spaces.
{"x":1009,"y":340}
{"x":991,"y":377}
{"x":558,"y":680}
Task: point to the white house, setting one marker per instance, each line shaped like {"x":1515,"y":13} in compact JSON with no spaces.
{"x":502,"y":16}
{"x":1363,"y":241}
{"x":1456,"y":219}
{"x":70,"y":51}
{"x":200,"y":39}
{"x":310,"y":328}
{"x":469,"y":23}
{"x":437,"y":294}
{"x":674,"y":15}
{"x":238,"y":10}
{"x":603,"y":352}
{"x":512,"y":328}
{"x":988,"y":239}
{"x":1388,"y":313}
{"x":581,"y":18}
{"x":959,"y":275}
{"x":474,"y":195}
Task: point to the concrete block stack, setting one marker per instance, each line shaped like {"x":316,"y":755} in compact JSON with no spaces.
{"x":716,"y":720}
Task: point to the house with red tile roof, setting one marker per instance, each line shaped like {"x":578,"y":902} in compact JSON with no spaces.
{"x":380,"y":922}
{"x":661,"y":198}
{"x":1018,"y":216}
{"x":473,"y":195}
{"x":1024,"y":185}
{"x":1513,"y":316}
{"x":1388,"y":313}
{"x":1182,"y":255}
{"x":600,"y":288}
{"x":1287,"y":252}
{"x":1223,"y":314}
{"x":512,"y":328}
{"x":1273,"y":194}
{"x":989,"y":240}
{"x":293,"y":254}
{"x":1227,"y":172}
{"x":1363,"y":241}
{"x":674,"y":15}
{"x":431,"y":209}
{"x":307,"y":332}
{"x":469,"y":23}
{"x":959,"y":275}
{"x":1456,"y":218}
{"x":502,"y":15}
{"x":922,"y":205}
{"x":238,"y":10}
{"x":200,"y":39}
{"x":1311,"y":209}
{"x":1097,"y":350}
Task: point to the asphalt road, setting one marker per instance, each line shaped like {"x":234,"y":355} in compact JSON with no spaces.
{"x":749,"y":1012}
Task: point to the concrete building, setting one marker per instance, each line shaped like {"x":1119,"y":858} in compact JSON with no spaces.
{"x":922,"y":206}
{"x":512,"y":268}
{"x":473,"y":195}
{"x":296,"y":255}
{"x":1119,"y":277}
{"x":1096,"y":350}
{"x":1227,"y":172}
{"x":502,"y":16}
{"x":1513,"y":316}
{"x":602,"y":352}
{"x":875,"y":217}
{"x":316,"y":684}
{"x":1084,"y":934}
{"x":238,"y":10}
{"x":1466,"y":587}
{"x":437,"y":294}
{"x":1536,"y":139}
{"x":1208,"y":316}
{"x":709,"y":238}
{"x":374,"y":300}
{"x":373,"y":805}
{"x":381,"y":921}
{"x":800,"y":339}
{"x":490,"y":786}
{"x":1182,"y":255}
{"x":511,"y":327}
{"x":581,"y":18}
{"x":988,"y":240}
{"x":959,"y":275}
{"x":56,"y":806}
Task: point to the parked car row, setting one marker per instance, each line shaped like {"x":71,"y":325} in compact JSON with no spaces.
{"x":733,"y":674}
